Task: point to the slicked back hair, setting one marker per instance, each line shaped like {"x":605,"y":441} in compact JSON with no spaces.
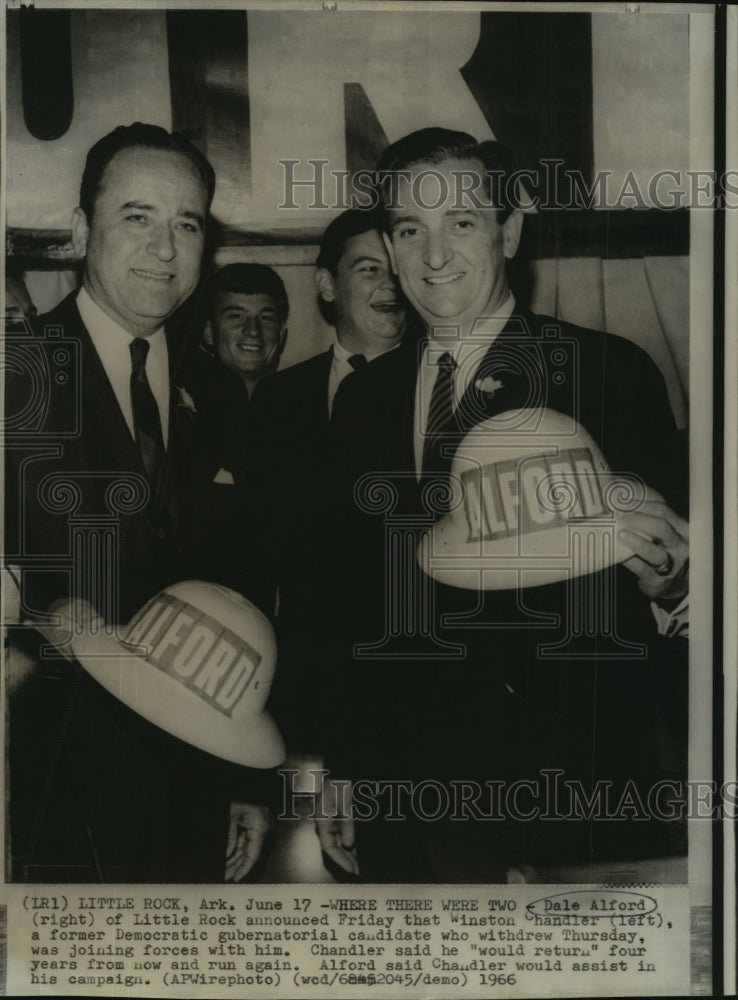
{"x":137,"y":136}
{"x":437,"y":145}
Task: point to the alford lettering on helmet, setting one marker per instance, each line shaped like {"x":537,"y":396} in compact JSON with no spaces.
{"x":197,"y":661}
{"x":537,"y":504}
{"x":504,"y":499}
{"x":195,"y":649}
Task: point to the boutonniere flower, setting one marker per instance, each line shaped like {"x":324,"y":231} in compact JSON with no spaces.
{"x":185,"y":400}
{"x":488,"y":385}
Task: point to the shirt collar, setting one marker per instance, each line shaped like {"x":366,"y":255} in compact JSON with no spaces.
{"x":100,"y":325}
{"x":340,"y":353}
{"x":486,"y":330}
{"x":113,"y":346}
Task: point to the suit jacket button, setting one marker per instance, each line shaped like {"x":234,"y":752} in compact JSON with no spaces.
{"x":161,"y":533}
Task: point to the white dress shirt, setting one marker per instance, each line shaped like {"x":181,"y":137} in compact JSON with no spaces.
{"x":468,"y":354}
{"x":112,"y":344}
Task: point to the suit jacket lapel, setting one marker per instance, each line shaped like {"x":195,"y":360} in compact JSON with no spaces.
{"x":103,"y":419}
{"x":414,"y":359}
{"x":181,"y":421}
{"x":408,"y":357}
{"x":181,"y":417}
{"x":324,"y":363}
{"x":506,"y":378}
{"x":511,"y":375}
{"x":105,"y":423}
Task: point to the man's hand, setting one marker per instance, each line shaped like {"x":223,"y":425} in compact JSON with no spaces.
{"x":336,"y":833}
{"x":659,"y":539}
{"x":248,"y":828}
{"x":75,"y":616}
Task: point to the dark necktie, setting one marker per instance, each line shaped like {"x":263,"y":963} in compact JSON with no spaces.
{"x":146,"y":420}
{"x":357,"y":361}
{"x":440,"y":411}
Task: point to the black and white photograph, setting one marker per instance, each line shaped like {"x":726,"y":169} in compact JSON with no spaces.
{"x":358,"y":584}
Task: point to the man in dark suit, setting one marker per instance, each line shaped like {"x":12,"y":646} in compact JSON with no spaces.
{"x":455,"y":687}
{"x":242,"y":342}
{"x":359,"y":297}
{"x":96,"y":477}
{"x":288,"y":482}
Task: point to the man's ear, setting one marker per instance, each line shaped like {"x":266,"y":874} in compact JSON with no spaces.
{"x":324,"y":284}
{"x":511,"y":230}
{"x":282,"y":340}
{"x":207,"y":334}
{"x":390,"y":252}
{"x":80,"y":232}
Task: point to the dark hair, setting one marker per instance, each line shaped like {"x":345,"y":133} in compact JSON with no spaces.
{"x":249,"y":279}
{"x":352,"y":222}
{"x":137,"y":135}
{"x":436,"y":145}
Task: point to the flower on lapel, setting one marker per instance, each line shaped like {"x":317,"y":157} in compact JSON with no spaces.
{"x":185,"y":400}
{"x":488,"y":385}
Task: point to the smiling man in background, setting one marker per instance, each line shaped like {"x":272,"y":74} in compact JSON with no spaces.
{"x":358,"y":295}
{"x":291,"y":468}
{"x":247,"y":320}
{"x":242,"y":341}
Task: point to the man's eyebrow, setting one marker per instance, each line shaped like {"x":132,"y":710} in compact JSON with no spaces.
{"x":144,"y":207}
{"x":192,"y":215}
{"x":137,"y":204}
{"x":236,"y":307}
{"x":464,"y":210}
{"x":364,"y":257}
{"x":404,"y":218}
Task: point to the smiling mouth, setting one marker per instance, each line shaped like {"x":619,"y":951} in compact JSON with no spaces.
{"x":252,"y":348}
{"x":162,"y":276}
{"x":392,"y":305}
{"x":443,"y":279}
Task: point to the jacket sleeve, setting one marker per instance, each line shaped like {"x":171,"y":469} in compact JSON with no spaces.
{"x":638,"y":430}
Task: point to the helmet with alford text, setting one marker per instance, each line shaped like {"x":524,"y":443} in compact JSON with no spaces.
{"x":198,"y":661}
{"x":533,"y":503}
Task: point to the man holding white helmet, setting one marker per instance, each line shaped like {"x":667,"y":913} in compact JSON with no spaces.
{"x":472,"y":695}
{"x":99,"y":790}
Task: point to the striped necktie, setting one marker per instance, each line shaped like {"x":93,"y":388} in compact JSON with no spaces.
{"x":440,"y":411}
{"x":146,"y":419}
